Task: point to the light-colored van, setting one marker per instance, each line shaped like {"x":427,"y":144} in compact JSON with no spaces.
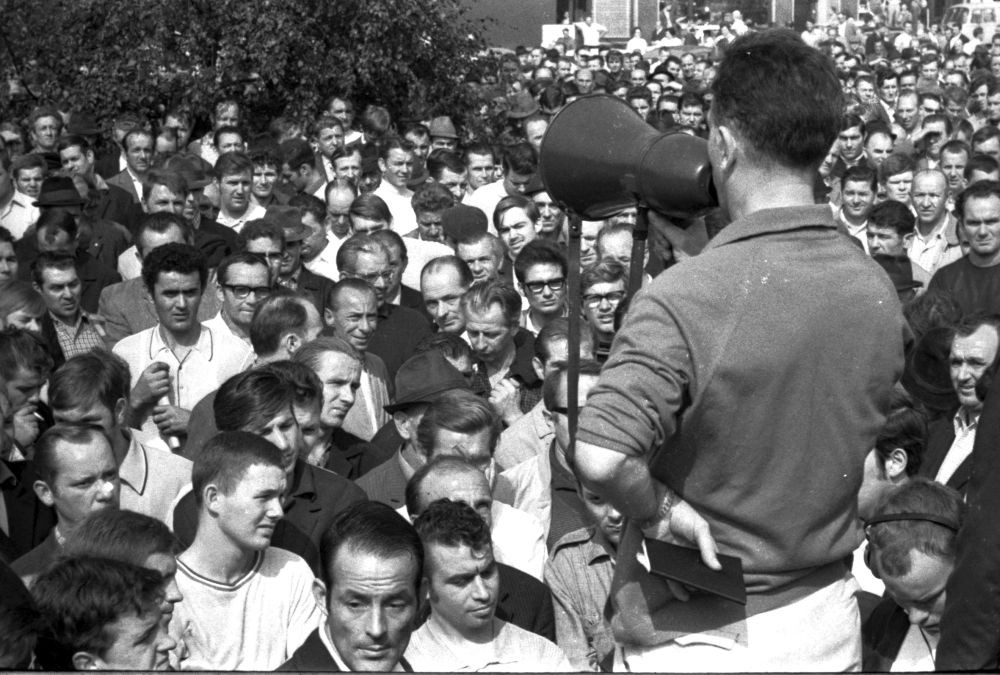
{"x":970,"y":15}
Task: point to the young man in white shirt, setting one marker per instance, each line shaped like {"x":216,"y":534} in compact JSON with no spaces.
{"x":247,"y":605}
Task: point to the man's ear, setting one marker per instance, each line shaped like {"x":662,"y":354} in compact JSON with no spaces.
{"x":121,"y":411}
{"x":536,"y":365}
{"x":728,"y":146}
{"x":328,"y":316}
{"x":382,"y":165}
{"x":43,"y":492}
{"x":895,"y":466}
{"x":88,"y":661}
{"x":211,"y":495}
{"x":908,"y":240}
{"x":401,"y":421}
{"x":319,"y":595}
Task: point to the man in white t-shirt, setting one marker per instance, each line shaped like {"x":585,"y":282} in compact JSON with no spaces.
{"x":247,"y":605}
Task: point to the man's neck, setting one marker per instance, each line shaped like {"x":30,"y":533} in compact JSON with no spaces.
{"x":238,"y":330}
{"x":233,"y":215}
{"x":851,"y":220}
{"x":481,"y":635}
{"x":758,"y":189}
{"x":927,"y":229}
{"x":978,"y":260}
{"x":216,"y":556}
{"x":502,"y":358}
{"x":314,"y":185}
{"x":412,"y":456}
{"x":542,"y":320}
{"x":120,"y":444}
{"x":71,"y":321}
{"x":187,"y":339}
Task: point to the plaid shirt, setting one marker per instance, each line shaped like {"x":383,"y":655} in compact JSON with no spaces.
{"x":78,"y":339}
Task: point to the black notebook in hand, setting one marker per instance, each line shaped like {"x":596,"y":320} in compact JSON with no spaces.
{"x":684,"y":565}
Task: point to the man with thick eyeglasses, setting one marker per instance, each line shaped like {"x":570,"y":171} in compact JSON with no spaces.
{"x":541,"y":272}
{"x":243,"y":283}
{"x":602,"y":288}
{"x":399,"y":329}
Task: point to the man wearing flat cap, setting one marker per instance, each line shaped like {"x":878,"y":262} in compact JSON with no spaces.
{"x":443,"y":134}
{"x":419,"y":382}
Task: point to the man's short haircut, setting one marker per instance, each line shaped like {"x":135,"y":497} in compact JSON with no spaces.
{"x":496,"y":245}
{"x":259,"y":229}
{"x":984,"y":134}
{"x":179,"y":258}
{"x":95,"y":377}
{"x":557,"y":330}
{"x":453,"y":524}
{"x":28,"y":161}
{"x":312,"y":352}
{"x":310,"y":204}
{"x":226,"y":458}
{"x":956,"y":146}
{"x":894,"y":165}
{"x":515,"y":202}
{"x":449,"y":262}
{"x":295,"y":152}
{"x":439,"y":160}
{"x":225,"y":130}
{"x":371,"y":207}
{"x":48,"y":260}
{"x":392,"y":242}
{"x":781,"y":95}
{"x":356,"y":244}
{"x":348,"y":284}
{"x":905,"y":428}
{"x":162,"y":222}
{"x":482,"y":294}
{"x":233,"y":164}
{"x":326,"y":121}
{"x":249,"y":398}
{"x":891,"y":542}
{"x":520,"y":158}
{"x":20,"y":295}
{"x":538,"y":252}
{"x":275,"y":318}
{"x":480,"y":149}
{"x":52,"y":222}
{"x":982,"y":164}
{"x":984,"y":189}
{"x":135,"y":132}
{"x":120,"y":534}
{"x":450,"y":345}
{"x":375,"y":529}
{"x":555,"y":379}
{"x":81,"y":598}
{"x":861,"y":173}
{"x":459,"y":411}
{"x":391,"y":143}
{"x":43,"y":111}
{"x":894,"y":215}
{"x":171,"y":180}
{"x":416,"y":129}
{"x":264,"y":158}
{"x":46,"y":461}
{"x":431,"y":197}
{"x":73,"y":140}
{"x":22,"y":350}
{"x":640,"y":93}
{"x":935,"y":118}
{"x":239,"y":258}
{"x":446,"y":466}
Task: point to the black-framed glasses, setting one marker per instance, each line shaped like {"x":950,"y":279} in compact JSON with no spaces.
{"x":242,"y":292}
{"x":595,"y":299}
{"x":554,"y":285}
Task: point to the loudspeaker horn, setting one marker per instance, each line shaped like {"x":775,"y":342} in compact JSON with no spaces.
{"x":599,"y":157}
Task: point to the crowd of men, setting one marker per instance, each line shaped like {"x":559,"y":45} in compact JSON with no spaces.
{"x":300,"y":400}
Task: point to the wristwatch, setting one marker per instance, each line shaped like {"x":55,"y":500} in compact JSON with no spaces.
{"x":662,"y":512}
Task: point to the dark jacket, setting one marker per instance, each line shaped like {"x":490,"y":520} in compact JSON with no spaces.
{"x":313,"y":657}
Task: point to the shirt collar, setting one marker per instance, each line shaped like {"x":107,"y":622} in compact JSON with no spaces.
{"x":324,"y":636}
{"x":7,"y":477}
{"x":134,"y":469}
{"x":966,"y":421}
{"x":769,"y":221}
{"x":204,"y":345}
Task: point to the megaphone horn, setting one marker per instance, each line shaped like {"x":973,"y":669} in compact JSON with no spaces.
{"x":599,"y":157}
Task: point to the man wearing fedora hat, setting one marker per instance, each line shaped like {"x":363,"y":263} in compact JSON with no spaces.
{"x":443,"y":134}
{"x":419,"y":382}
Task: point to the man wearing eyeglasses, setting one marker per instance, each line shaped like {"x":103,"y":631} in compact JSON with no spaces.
{"x":602,"y":288}
{"x":541,"y":272}
{"x":243,"y":283}
{"x":400,"y":328}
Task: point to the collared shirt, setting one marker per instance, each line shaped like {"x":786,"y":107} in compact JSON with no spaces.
{"x":129,"y":265}
{"x":859,"y":232}
{"x":965,"y":437}
{"x":137,"y":184}
{"x":579,"y":575}
{"x":418,"y":254}
{"x":19,"y":214}
{"x":325,"y":264}
{"x":398,"y":201}
{"x":78,"y":339}
{"x":433,"y":647}
{"x":220,"y":322}
{"x":291,"y":282}
{"x":253,"y":212}
{"x":211,"y":361}
{"x":938,"y":249}
{"x":485,"y":198}
{"x":528,"y":437}
{"x":152,"y":479}
{"x":368,"y":414}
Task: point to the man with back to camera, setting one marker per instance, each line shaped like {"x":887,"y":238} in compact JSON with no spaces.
{"x":692,"y":396}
